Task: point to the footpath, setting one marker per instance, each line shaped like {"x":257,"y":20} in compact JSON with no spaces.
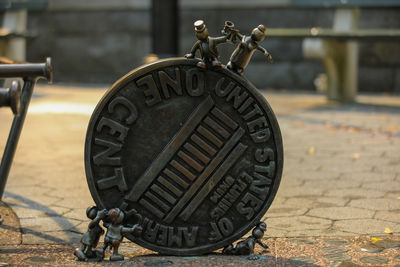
{"x":339,"y":197}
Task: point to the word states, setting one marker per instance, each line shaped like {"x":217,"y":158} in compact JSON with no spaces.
{"x":264,"y":169}
{"x":254,"y":199}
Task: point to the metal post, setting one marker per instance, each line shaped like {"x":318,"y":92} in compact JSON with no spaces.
{"x":14,"y":135}
{"x":165,"y":20}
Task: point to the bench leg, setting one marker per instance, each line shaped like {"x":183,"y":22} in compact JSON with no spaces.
{"x":15,"y":21}
{"x":350,"y":72}
{"x":340,"y":61}
{"x":340,"y":58}
{"x":341,"y":65}
{"x":333,"y":80}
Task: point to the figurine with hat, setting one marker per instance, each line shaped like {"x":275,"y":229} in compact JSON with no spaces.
{"x":207,"y":46}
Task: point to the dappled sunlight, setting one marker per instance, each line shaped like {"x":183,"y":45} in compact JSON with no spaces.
{"x":61,"y":108}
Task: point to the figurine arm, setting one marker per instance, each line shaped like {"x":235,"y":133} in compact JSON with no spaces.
{"x":193,"y":50}
{"x":238,"y":34}
{"x":100,"y":215}
{"x":262,"y":49}
{"x":261,"y":243}
{"x":220,"y":40}
{"x":136,"y":230}
{"x":232,"y":34}
{"x":266,"y":53}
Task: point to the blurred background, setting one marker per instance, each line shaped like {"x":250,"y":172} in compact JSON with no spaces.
{"x":342,"y":160}
{"x":98,"y":41}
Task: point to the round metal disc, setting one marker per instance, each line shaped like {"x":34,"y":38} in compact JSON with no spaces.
{"x":195,"y":156}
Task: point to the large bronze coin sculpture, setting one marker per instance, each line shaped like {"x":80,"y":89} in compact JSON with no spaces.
{"x":187,"y":149}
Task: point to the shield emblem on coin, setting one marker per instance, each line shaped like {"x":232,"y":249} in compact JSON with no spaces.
{"x":195,"y":156}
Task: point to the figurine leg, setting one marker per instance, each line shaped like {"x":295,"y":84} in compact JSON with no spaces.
{"x":228,"y":250}
{"x":80,"y":255}
{"x":100,"y":251}
{"x":90,"y":253}
{"x":234,"y":68}
{"x":201,"y":65}
{"x":253,"y":257}
{"x":115,"y":256}
{"x":216,"y":63}
{"x":251,"y":246}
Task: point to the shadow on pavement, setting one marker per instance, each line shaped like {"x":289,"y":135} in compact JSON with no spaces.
{"x":66,"y":225}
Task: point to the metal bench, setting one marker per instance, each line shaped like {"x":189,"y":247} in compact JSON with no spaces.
{"x":338,"y":47}
{"x":18,"y":100}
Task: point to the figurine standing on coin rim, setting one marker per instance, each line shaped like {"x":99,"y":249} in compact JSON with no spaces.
{"x":91,"y":238}
{"x":240,"y":58}
{"x":247,"y":246}
{"x":207,"y":46}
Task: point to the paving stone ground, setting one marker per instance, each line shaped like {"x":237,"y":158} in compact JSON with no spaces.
{"x":341,"y":176}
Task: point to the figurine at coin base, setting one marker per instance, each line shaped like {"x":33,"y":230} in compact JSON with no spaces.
{"x":247,"y":246}
{"x":207,"y":167}
{"x":115,"y":234}
{"x":91,"y":238}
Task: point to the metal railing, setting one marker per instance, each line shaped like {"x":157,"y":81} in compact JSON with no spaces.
{"x":19,"y":101}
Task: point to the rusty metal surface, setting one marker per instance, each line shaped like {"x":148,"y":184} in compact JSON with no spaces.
{"x":194,"y":156}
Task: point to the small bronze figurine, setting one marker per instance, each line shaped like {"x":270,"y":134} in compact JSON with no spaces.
{"x":246,"y":247}
{"x":245,"y":49}
{"x":207,"y":46}
{"x":91,"y":238}
{"x":115,"y":234}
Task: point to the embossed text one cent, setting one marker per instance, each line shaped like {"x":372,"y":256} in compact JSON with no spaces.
{"x":195,"y":156}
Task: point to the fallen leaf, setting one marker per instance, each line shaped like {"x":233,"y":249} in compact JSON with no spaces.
{"x":375,"y":239}
{"x":398,"y":198}
{"x":383,"y":117}
{"x":356,"y":155}
{"x":311,"y":151}
{"x":394,"y":128}
{"x":388,"y":231}
{"x":354,"y":130}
